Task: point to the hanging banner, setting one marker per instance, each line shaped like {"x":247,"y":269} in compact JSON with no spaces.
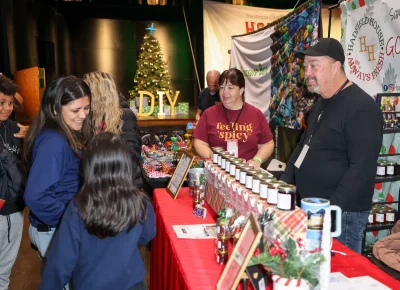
{"x":274,"y":78}
{"x":371,"y":42}
{"x":222,"y":21}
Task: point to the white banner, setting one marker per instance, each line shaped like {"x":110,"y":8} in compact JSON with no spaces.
{"x":222,"y":21}
{"x":372,"y":46}
{"x":253,"y":51}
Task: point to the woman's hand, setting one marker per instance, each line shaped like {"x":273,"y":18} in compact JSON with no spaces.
{"x":254,"y":163}
{"x":22,"y":131}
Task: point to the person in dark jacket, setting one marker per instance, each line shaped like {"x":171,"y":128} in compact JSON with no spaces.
{"x":11,"y":212}
{"x":110,"y":114}
{"x":96,"y":245}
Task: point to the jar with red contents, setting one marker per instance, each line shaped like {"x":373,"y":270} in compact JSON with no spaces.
{"x":372,"y":217}
{"x":380,"y":216}
{"x":390,"y":215}
{"x":222,"y":257}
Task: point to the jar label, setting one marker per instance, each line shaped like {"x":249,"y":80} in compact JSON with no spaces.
{"x":370,"y":218}
{"x":263,"y":191}
{"x":219,"y":160}
{"x":237,"y":174}
{"x":284,"y":201}
{"x":215,"y":157}
{"x":242,"y":177}
{"x":380,"y":170}
{"x":249,"y":181}
{"x":256,"y":185}
{"x":232,"y":170}
{"x":390,"y":217}
{"x":272,"y":196}
{"x":380,"y":217}
{"x":390,"y":170}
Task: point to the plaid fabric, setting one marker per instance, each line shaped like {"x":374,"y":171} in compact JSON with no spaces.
{"x":243,"y":201}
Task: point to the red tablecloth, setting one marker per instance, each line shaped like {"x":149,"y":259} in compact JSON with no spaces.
{"x":190,"y":264}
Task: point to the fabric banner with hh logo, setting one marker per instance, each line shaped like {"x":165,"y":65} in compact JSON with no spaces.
{"x":222,"y":21}
{"x":274,"y":78}
{"x":371,"y":42}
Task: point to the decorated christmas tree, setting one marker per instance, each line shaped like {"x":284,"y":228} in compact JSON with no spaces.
{"x":152,"y":72}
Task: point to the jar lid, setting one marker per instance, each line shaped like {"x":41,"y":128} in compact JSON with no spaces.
{"x":252,"y":171}
{"x":381,"y":162}
{"x":287,"y":188}
{"x":260,"y":175}
{"x":223,"y":252}
{"x":217,"y":149}
{"x":269,"y":179}
{"x":226,"y":237}
{"x":276,"y":183}
{"x":391,"y":163}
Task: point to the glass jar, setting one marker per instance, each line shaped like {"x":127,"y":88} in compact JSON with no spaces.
{"x":386,"y":124}
{"x":222,"y":257}
{"x":371,"y":217}
{"x":381,"y":168}
{"x":249,"y":178}
{"x":380,"y":216}
{"x":222,"y":243}
{"x":264,"y":187}
{"x":390,"y":215}
{"x":234,"y":163}
{"x":216,"y":151}
{"x":395,"y":122}
{"x":286,"y":197}
{"x":222,"y":228}
{"x":272,"y":195}
{"x":238,"y":168}
{"x":390,"y":168}
{"x":243,"y":171}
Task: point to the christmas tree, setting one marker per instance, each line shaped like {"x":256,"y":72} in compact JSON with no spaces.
{"x":152,"y":73}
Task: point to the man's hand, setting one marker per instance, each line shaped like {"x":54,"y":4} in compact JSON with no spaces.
{"x":22,"y":131}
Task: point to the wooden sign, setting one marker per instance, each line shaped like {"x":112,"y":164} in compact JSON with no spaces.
{"x":180,"y":173}
{"x":240,"y":255}
{"x":160,"y":94}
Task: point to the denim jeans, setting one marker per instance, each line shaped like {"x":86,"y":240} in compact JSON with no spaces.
{"x":42,"y":241}
{"x":353,"y":226}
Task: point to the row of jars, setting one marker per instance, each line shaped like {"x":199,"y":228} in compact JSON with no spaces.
{"x":387,"y":168}
{"x":381,"y":215}
{"x":273,"y":191}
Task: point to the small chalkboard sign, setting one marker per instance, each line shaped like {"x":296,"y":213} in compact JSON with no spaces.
{"x":180,"y":173}
{"x":240,"y":255}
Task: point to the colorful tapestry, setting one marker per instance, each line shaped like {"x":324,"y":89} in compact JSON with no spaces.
{"x":274,"y":78}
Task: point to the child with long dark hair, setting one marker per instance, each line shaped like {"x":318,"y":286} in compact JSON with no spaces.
{"x":96,"y":245}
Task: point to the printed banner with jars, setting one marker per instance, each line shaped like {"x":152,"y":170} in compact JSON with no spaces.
{"x":370,"y":34}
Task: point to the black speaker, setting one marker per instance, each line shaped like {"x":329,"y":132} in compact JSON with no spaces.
{"x":47,"y":59}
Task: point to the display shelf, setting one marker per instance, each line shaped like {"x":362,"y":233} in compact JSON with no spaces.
{"x":385,"y":202}
{"x":379,"y":227}
{"x":388,"y":155}
{"x":391,"y":131}
{"x":387,"y":179}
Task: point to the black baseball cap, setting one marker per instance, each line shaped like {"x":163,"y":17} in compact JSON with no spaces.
{"x":323,"y":47}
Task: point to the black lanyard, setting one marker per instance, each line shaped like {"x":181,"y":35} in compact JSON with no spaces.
{"x":227,"y":120}
{"x":322,"y":112}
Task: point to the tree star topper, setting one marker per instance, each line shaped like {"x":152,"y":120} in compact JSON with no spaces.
{"x":151,"y":29}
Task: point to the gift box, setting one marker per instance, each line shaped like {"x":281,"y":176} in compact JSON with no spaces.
{"x":156,"y":110}
{"x":183,"y":108}
{"x":167,"y":110}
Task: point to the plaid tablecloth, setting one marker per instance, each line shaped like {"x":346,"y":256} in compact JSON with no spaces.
{"x":223,"y":190}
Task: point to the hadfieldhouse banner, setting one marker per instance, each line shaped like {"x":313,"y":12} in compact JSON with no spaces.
{"x":274,"y":78}
{"x":222,"y":21}
{"x":372,"y":45}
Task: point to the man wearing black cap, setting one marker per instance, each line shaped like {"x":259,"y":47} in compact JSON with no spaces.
{"x":336,"y":157}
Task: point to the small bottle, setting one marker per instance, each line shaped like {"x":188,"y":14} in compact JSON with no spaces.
{"x":197,"y":197}
{"x":222,"y":228}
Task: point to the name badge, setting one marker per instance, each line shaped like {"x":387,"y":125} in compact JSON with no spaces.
{"x":302,"y":155}
{"x":232,"y":146}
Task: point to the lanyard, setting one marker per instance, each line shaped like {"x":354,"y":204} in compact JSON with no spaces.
{"x":227,"y":120}
{"x":322,"y":112}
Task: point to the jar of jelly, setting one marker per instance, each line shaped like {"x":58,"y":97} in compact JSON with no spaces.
{"x":264,"y":187}
{"x":234,"y":163}
{"x":381,"y":168}
{"x":390,"y":215}
{"x":286,"y":197}
{"x":238,"y":168}
{"x":222,"y":257}
{"x":390,"y":168}
{"x":272,"y":195}
{"x":222,"y":228}
{"x":380,"y":216}
{"x":216,"y":151}
{"x":243,"y":171}
{"x":372,"y":217}
{"x":222,"y":243}
{"x":249,"y":178}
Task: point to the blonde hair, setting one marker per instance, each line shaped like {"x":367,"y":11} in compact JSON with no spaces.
{"x":105,"y":102}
